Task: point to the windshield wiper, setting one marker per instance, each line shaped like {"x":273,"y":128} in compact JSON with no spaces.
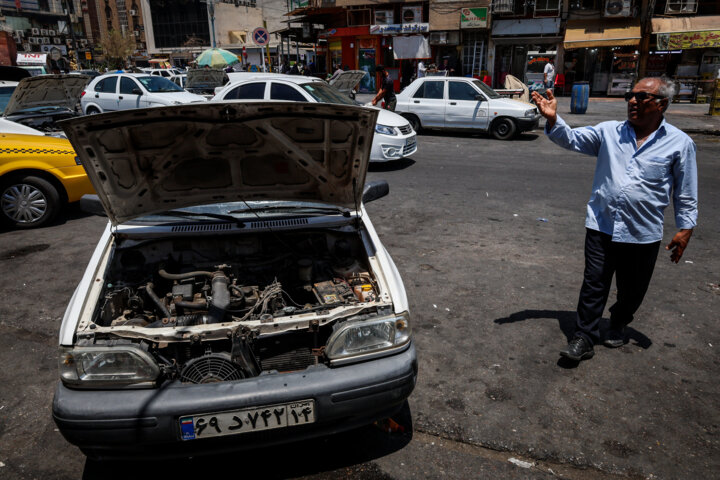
{"x":219,"y":216}
{"x":270,"y":208}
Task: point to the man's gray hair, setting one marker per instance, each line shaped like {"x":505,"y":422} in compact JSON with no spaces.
{"x":667,"y":88}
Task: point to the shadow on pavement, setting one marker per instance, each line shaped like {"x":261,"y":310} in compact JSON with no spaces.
{"x":345,"y":453}
{"x":392,"y":165}
{"x":566,"y":319}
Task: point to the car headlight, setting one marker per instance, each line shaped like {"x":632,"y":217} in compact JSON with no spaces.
{"x":116,"y":366}
{"x":385,"y":130}
{"x":531,"y":113}
{"x":358,"y":340}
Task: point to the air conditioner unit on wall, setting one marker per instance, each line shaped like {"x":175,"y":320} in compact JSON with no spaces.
{"x":43,"y":32}
{"x":57,"y":41}
{"x":33,"y":41}
{"x":36,"y":31}
{"x":411,"y":15}
{"x":132,"y":12}
{"x":681,"y":6}
{"x":19,"y":33}
{"x":46,"y":40}
{"x":618,"y":8}
{"x":503,"y":6}
{"x":136,"y":33}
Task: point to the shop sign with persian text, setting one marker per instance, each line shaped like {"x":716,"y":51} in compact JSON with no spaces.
{"x":473,"y":17}
{"x":688,"y":40}
{"x":398,"y":28}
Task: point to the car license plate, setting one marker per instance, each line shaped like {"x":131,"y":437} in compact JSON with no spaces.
{"x":247,"y":420}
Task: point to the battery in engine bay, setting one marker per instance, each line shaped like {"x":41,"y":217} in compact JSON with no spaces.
{"x":329,"y":292}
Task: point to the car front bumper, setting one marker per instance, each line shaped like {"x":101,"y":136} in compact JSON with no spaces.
{"x":528,"y":123}
{"x":392,"y":147}
{"x":118,"y":424}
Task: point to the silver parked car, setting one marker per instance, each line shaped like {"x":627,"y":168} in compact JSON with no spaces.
{"x":459,"y":103}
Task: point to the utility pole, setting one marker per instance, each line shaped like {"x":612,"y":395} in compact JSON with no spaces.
{"x":211,"y":13}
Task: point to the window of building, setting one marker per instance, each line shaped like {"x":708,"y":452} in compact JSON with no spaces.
{"x":430,"y":89}
{"x":359,"y":17}
{"x":280,"y":91}
{"x":547,"y":6}
{"x":509,"y":7}
{"x":585,"y":4}
{"x":179,"y":22}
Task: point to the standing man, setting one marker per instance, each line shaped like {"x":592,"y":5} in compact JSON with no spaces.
{"x":641,"y":164}
{"x":421,"y":69}
{"x":549,"y":74}
{"x":386,"y":91}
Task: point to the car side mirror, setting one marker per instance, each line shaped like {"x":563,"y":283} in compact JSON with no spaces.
{"x":374,"y":190}
{"x":91,"y":204}
{"x":136,"y":91}
{"x":479,"y":98}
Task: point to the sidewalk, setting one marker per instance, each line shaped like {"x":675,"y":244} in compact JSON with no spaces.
{"x":688,"y":117}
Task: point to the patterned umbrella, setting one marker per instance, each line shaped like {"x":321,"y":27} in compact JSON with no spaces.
{"x":216,"y":58}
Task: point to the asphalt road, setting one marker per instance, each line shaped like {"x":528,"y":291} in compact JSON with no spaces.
{"x":488,"y":236}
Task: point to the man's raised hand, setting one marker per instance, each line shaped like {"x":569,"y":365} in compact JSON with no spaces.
{"x":547,"y":106}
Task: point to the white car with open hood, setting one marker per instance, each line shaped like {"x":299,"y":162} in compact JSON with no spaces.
{"x":240,"y":295}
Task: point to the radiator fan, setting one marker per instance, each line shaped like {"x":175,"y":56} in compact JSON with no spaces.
{"x":211,"y":368}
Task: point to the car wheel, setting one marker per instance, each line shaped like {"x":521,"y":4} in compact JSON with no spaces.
{"x":414,"y":122}
{"x":504,"y":129}
{"x":28,"y":201}
{"x":92,"y":111}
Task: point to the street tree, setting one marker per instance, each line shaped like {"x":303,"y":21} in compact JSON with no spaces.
{"x":117,"y":47}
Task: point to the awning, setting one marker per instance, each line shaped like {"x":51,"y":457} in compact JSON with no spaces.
{"x":685,"y":24}
{"x":532,"y":26}
{"x":584,"y":33}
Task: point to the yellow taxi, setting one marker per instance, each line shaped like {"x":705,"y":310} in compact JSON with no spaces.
{"x":39,"y":175}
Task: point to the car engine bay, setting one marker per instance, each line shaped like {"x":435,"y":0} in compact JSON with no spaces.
{"x":218,"y":308}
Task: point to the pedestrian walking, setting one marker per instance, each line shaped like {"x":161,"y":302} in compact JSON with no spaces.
{"x":549,"y":74}
{"x":642,"y":163}
{"x":386,"y":91}
{"x":421,"y":69}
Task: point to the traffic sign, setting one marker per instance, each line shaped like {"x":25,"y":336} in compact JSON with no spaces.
{"x":260,"y":36}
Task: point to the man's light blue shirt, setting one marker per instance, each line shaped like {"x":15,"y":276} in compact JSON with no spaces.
{"x":632,"y":185}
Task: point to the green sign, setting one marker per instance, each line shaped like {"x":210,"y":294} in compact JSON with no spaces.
{"x":474,"y":17}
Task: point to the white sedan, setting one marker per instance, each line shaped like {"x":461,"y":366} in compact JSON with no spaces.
{"x":394,"y":136}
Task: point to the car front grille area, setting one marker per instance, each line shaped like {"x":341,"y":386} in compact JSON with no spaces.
{"x":410,"y":147}
{"x":405,"y":129}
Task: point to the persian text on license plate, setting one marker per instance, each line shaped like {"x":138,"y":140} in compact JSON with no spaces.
{"x":248,"y":420}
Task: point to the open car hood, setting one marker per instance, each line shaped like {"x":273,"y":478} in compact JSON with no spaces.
{"x":348,"y":80}
{"x":151,"y":160}
{"x":47,"y":91}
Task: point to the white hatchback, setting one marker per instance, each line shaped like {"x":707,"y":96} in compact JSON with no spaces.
{"x":394,"y":136}
{"x":126,"y":91}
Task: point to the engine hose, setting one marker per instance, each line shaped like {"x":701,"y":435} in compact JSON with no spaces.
{"x":220,"y":298}
{"x":188,"y":320}
{"x":191,"y":305}
{"x":151,"y":293}
{"x":183,"y":276}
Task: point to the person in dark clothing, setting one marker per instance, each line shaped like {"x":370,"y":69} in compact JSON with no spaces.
{"x":386,"y":91}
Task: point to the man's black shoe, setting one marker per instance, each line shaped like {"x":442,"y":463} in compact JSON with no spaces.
{"x":614,"y":337}
{"x":578,"y":349}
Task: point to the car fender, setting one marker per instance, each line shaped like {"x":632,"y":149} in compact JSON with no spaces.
{"x":85,"y":295}
{"x":89,"y":104}
{"x":389,"y":270}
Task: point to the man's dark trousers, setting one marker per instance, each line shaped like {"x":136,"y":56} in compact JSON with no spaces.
{"x":632,"y":264}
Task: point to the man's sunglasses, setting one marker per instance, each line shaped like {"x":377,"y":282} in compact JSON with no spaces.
{"x":641,"y":96}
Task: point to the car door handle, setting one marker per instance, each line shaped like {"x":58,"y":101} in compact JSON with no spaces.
{"x":453,"y":103}
{"x":97,"y":95}
{"x":416,"y":101}
{"x":120,"y":97}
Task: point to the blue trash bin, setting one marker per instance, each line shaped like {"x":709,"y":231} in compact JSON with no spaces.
{"x":580,"y":97}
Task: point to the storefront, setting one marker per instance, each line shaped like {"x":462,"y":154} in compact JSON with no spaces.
{"x":603,"y":52}
{"x":688,"y":50}
{"x":516,"y":44}
{"x":459,"y":37}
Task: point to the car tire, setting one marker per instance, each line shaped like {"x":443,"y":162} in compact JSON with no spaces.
{"x":91,"y":111}
{"x":504,"y":129}
{"x":27,"y":201}
{"x":414,"y":122}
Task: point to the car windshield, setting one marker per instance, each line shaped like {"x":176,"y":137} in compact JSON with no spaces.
{"x":324,"y":93}
{"x":5,"y":94}
{"x":155,"y":84}
{"x":241,"y":211}
{"x":485,"y":89}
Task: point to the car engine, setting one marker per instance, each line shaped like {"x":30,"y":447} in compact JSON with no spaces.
{"x":229,"y":307}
